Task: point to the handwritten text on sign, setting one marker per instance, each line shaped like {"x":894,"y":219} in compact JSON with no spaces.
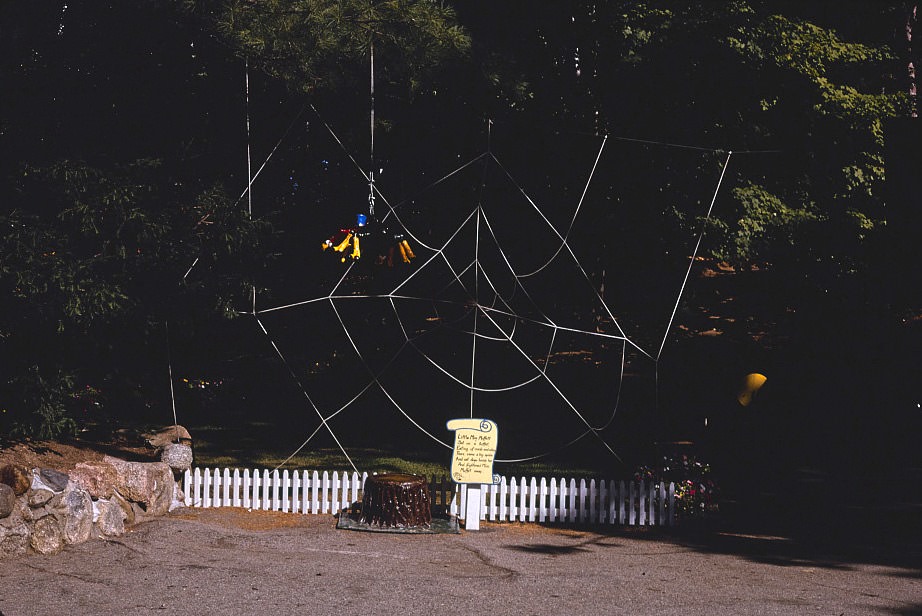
{"x":475,"y":449}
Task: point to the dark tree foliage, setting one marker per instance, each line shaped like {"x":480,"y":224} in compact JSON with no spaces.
{"x":323,"y":44}
{"x":813,"y":81}
{"x":115,"y":158}
{"x":123,"y":149}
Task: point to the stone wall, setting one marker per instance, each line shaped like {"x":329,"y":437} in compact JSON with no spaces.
{"x":43,"y":510}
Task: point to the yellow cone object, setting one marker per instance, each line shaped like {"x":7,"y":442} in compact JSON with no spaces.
{"x":406,"y":247}
{"x":751,"y":384}
{"x":344,"y":244}
{"x":327,"y":244}
{"x":403,"y":252}
{"x":356,"y":251}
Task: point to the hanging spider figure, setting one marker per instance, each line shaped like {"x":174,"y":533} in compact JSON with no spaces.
{"x":372,"y":239}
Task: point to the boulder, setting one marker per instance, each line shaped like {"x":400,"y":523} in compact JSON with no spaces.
{"x":159,"y":439}
{"x":126,"y":508}
{"x":77,"y":513}
{"x":47,"y":535}
{"x":179,"y":498}
{"x":14,"y":539}
{"x":138,"y":511}
{"x":178,"y":457}
{"x":55,"y":501}
{"x":17,"y":477}
{"x":56,"y":481}
{"x":38,"y":497}
{"x":111,"y":520}
{"x":97,"y":478}
{"x":148,"y":483}
{"x":7,"y":500}
{"x":24,"y":512}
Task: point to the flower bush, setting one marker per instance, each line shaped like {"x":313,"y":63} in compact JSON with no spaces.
{"x":696,"y":493}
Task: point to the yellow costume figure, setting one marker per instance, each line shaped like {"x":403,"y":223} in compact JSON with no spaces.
{"x":354,"y":237}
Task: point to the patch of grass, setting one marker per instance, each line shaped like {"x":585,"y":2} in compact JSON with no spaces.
{"x":548,"y":469}
{"x":366,"y":460}
{"x":253,"y":446}
{"x":377,"y":461}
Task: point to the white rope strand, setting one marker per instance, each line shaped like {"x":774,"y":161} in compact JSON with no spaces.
{"x":417,"y":194}
{"x":476,"y":291}
{"x":251,"y":180}
{"x":336,"y":137}
{"x":269,"y":157}
{"x":371,"y":157}
{"x":691,"y":261}
{"x":575,"y":213}
{"x":169,"y":360}
{"x":378,"y":382}
{"x":573,"y":256}
{"x":321,"y":425}
{"x":304,"y":392}
{"x":438,"y":252}
{"x":392,"y":210}
{"x":249,"y":163}
{"x":561,"y":394}
{"x":614,"y":410}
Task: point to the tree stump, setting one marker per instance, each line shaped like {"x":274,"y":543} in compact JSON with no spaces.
{"x":396,"y":500}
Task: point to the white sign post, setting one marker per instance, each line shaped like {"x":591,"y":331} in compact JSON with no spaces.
{"x":472,"y":462}
{"x":472,"y":510}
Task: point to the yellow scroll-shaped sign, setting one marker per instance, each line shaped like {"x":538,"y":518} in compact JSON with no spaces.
{"x":475,"y":449}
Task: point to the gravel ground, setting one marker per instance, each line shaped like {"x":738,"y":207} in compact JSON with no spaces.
{"x":230,"y":561}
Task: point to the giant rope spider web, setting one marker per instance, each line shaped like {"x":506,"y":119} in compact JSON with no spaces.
{"x":490,"y":322}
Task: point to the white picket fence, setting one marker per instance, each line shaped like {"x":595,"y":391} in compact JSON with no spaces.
{"x":563,"y":501}
{"x":568,"y":501}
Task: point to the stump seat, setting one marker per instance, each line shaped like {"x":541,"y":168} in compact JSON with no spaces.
{"x":396,"y":500}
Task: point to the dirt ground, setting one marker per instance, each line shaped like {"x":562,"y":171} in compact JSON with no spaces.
{"x":233,"y":561}
{"x":65,"y":456}
{"x":236,"y":561}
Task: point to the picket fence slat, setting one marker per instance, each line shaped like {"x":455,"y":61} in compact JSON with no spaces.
{"x":552,"y":501}
{"x":543,"y":500}
{"x":642,"y":506}
{"x":521,"y":504}
{"x":600,"y":507}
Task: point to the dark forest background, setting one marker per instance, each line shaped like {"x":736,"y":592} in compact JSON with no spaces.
{"x":124,"y":145}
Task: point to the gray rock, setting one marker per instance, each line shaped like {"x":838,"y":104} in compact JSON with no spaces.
{"x":97,"y":478}
{"x":15,"y":516}
{"x":126,"y":508}
{"x":47,"y":536}
{"x":39,"y":497}
{"x":55,"y":480}
{"x":77,"y":513}
{"x":23,"y":510}
{"x":139,"y":513}
{"x":111,"y":521}
{"x":39,"y":513}
{"x":179,"y":498}
{"x":177,"y":457}
{"x":148,"y":483}
{"x":7,"y":500}
{"x":166,"y":435}
{"x":55,"y":501}
{"x":14,"y":539}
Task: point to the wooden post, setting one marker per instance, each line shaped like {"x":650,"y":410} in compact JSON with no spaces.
{"x":472,"y":508}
